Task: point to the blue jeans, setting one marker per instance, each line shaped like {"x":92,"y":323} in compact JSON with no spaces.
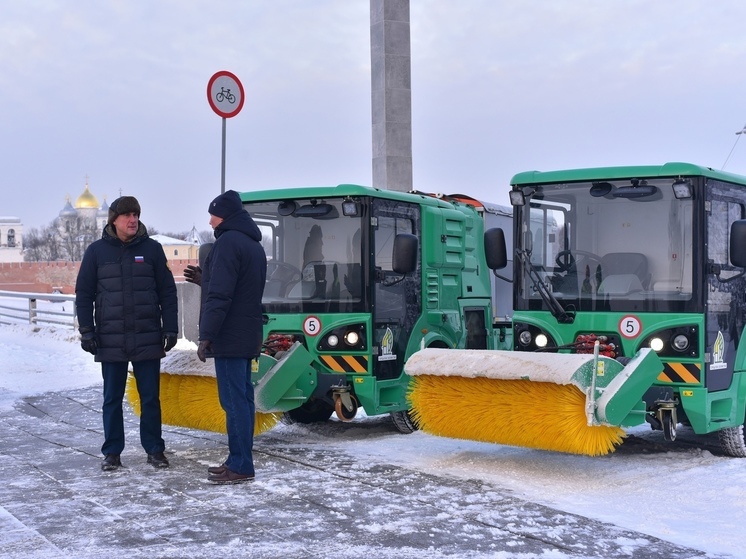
{"x":148,"y":377}
{"x":236,"y":394}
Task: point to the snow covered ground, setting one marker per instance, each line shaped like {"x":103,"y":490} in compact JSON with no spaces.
{"x":682,"y":493}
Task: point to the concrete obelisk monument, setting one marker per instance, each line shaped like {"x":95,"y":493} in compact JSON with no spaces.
{"x":391,"y":91}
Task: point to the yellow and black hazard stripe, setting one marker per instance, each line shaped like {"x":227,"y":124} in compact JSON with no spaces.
{"x":346,"y":363}
{"x":687,"y":373}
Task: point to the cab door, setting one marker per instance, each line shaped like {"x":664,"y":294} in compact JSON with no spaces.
{"x":396,"y":304}
{"x":725,"y":300}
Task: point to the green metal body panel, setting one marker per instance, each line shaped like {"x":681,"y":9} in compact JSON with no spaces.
{"x":614,"y":391}
{"x":282,"y":385}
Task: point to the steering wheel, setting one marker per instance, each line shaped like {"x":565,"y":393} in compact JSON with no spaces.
{"x":566,"y":259}
{"x":282,"y":272}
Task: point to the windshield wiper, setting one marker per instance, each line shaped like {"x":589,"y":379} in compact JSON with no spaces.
{"x":555,"y":307}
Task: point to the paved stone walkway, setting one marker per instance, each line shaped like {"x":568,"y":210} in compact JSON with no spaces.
{"x":307,"y":501}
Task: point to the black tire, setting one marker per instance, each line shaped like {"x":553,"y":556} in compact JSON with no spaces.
{"x":669,"y":427}
{"x":403,"y":422}
{"x":313,"y":411}
{"x":732,"y":441}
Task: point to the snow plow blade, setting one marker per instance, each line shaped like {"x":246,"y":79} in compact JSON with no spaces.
{"x":575,"y":403}
{"x":286,"y":383}
{"x":189,"y":395}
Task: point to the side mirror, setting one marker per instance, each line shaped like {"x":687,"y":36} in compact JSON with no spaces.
{"x":738,"y":243}
{"x":494,"y":249}
{"x":404,"y":259}
{"x":204,"y":250}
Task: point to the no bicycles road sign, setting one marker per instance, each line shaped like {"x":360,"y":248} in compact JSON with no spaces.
{"x":225,"y":94}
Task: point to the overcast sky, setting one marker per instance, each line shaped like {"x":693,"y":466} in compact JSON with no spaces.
{"x":116,"y":90}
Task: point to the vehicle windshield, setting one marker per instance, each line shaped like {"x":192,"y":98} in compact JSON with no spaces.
{"x":607,"y":245}
{"x":313,"y":255}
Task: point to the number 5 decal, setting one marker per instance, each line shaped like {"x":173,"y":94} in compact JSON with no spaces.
{"x":630,"y":326}
{"x":312,"y":326}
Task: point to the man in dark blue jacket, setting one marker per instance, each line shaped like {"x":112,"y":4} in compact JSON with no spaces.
{"x":126,"y":303}
{"x":230,"y":326}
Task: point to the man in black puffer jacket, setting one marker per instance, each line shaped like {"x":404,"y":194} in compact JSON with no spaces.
{"x":230,"y":326}
{"x":126,"y":303}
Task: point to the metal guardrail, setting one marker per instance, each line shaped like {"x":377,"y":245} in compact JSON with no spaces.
{"x":41,"y":308}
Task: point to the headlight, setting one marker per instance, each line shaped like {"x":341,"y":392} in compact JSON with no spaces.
{"x":680,"y":342}
{"x":332,"y":340}
{"x":541,"y":340}
{"x":656,"y":344}
{"x":524,"y":337}
{"x":352,"y":338}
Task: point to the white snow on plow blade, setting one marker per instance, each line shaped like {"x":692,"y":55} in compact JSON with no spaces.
{"x":185,"y":362}
{"x":557,"y":368}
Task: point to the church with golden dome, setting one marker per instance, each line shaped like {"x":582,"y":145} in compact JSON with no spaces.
{"x":84,"y":215}
{"x":81,"y":223}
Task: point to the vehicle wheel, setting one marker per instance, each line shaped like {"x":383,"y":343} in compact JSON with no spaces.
{"x":732,"y":441}
{"x":313,"y":411}
{"x":341,"y":410}
{"x":669,"y":427}
{"x":404,"y":422}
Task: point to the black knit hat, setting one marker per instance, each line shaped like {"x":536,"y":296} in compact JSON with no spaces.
{"x":123,"y":205}
{"x":226,"y":204}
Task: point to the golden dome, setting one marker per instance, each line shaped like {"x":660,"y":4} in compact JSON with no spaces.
{"x":86,"y":200}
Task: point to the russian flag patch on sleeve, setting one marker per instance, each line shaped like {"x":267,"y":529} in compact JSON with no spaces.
{"x":139,"y":259}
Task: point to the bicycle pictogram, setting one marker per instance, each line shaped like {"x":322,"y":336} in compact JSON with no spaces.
{"x":225,"y":95}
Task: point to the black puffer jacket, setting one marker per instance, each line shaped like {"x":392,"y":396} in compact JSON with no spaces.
{"x":127,"y":294}
{"x":232,"y":286}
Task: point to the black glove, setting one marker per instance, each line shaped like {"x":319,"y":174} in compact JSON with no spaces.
{"x":88,"y":342}
{"x":169,"y":341}
{"x":204,"y":345}
{"x":193,"y":274}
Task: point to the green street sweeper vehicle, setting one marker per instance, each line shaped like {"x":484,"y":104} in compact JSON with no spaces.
{"x":358,"y":279}
{"x":623,"y":261}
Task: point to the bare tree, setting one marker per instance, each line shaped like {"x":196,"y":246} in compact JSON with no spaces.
{"x":66,"y":240}
{"x":75,"y":235}
{"x":33,"y":245}
{"x":42,"y":245}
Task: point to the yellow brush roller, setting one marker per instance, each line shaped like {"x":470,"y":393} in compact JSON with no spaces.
{"x":559,"y":402}
{"x":189,"y":395}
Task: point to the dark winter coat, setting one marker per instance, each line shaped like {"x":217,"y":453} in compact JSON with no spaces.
{"x":126,"y":293}
{"x":232,"y":286}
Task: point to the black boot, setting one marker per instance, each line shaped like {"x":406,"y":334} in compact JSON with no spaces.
{"x":111,"y":462}
{"x":158,"y":460}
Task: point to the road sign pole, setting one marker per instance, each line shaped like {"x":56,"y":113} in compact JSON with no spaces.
{"x":225,"y":95}
{"x":222,"y":163}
